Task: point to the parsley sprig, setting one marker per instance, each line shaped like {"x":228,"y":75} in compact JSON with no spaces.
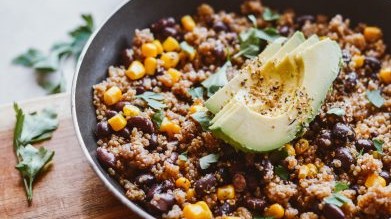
{"x":32,"y":128}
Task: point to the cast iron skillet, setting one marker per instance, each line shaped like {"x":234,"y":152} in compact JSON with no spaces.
{"x":109,"y":40}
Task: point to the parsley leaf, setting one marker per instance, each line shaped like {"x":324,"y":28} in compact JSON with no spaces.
{"x":375,"y":98}
{"x":197,"y":92}
{"x":158,"y":117}
{"x":378,"y":145}
{"x":216,"y":80}
{"x":336,"y":111}
{"x":340,"y":186}
{"x":269,"y":15}
{"x":281,"y":172}
{"x":203,"y":118}
{"x":154,"y":100}
{"x":336,"y":199}
{"x":207,"y":160}
{"x":183,"y":156}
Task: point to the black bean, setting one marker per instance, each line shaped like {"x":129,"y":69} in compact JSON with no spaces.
{"x":313,"y":206}
{"x":304,"y":18}
{"x":167,"y":185}
{"x":257,"y":204}
{"x":373,"y":63}
{"x":332,"y":212}
{"x":169,"y":32}
{"x":126,"y":58}
{"x":141,"y":123}
{"x":284,"y":30}
{"x":252,"y":182}
{"x":350,"y":81}
{"x":140,"y":90}
{"x":219,"y":52}
{"x":343,"y":154}
{"x":239,"y":182}
{"x":170,"y":22}
{"x":346,"y":56}
{"x":145,"y":179}
{"x":105,"y":157}
{"x":365,"y":145}
{"x":162,"y":202}
{"x":205,"y":185}
{"x":102,"y":129}
{"x":220,"y":26}
{"x":155,"y":189}
{"x":386,"y":175}
{"x":110,"y":113}
{"x":356,"y":188}
{"x":223,"y":209}
{"x":125,"y":133}
{"x":120,"y":106}
{"x":324,"y":139}
{"x":153,"y":143}
{"x":342,"y":131}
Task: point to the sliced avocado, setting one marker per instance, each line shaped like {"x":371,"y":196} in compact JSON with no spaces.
{"x":273,"y":53}
{"x":305,"y":75}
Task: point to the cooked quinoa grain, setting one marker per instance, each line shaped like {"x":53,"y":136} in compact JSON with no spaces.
{"x":158,"y":138}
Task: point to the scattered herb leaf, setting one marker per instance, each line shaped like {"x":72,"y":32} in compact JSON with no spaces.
{"x":253,"y":20}
{"x":269,"y":34}
{"x":378,"y":145}
{"x":153,"y":100}
{"x":281,"y":172}
{"x":336,"y":111}
{"x":336,"y":199}
{"x":183,"y":156}
{"x":187,"y":48}
{"x":29,"y":58}
{"x":375,"y":98}
{"x":197,"y":92}
{"x":340,"y":186}
{"x":361,"y":152}
{"x":158,"y":117}
{"x":207,"y":160}
{"x":269,"y":15}
{"x":216,"y":80}
{"x":203,"y":118}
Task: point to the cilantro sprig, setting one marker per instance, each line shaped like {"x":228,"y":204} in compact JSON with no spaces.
{"x":154,"y":100}
{"x":337,"y":198}
{"x":207,"y":160}
{"x":32,"y":128}
{"x":217,"y":80}
{"x":375,"y":98}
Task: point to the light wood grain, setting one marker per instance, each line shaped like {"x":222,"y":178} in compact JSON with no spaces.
{"x":69,"y":189}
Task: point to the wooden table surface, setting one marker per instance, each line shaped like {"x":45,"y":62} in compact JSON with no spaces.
{"x":70,"y":189}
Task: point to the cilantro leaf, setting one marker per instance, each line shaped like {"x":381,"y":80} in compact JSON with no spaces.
{"x":158,"y":117}
{"x":154,"y":100}
{"x":216,"y":80}
{"x":55,"y":88}
{"x":268,"y":34}
{"x":29,"y":58}
{"x":340,"y":186}
{"x":378,"y":145}
{"x":336,"y":111}
{"x":197,"y":92}
{"x":269,"y":15}
{"x":281,"y":172}
{"x":203,"y":118}
{"x":189,"y":50}
{"x":337,"y":199}
{"x":253,"y":20}
{"x":207,"y":160}
{"x":183,"y":156}
{"x":375,"y":98}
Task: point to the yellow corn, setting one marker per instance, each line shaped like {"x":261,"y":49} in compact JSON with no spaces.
{"x":112,"y":95}
{"x":170,"y":127}
{"x":358,"y":60}
{"x":226,"y":192}
{"x":150,"y":65}
{"x":190,"y":193}
{"x":375,"y":179}
{"x":290,"y":150}
{"x":376,"y":155}
{"x":171,"y":44}
{"x":183,"y":183}
{"x":303,"y":172}
{"x":117,"y":122}
{"x":149,"y":50}
{"x":130,"y":110}
{"x":275,"y":211}
{"x":372,"y":34}
{"x":385,"y":75}
{"x":159,"y":46}
{"x":199,"y":210}
{"x":135,"y":71}
{"x":312,"y":169}
{"x":170,"y":59}
{"x":302,"y":146}
{"x":174,"y":74}
{"x":196,"y":108}
{"x":188,"y":23}
{"x":230,"y":217}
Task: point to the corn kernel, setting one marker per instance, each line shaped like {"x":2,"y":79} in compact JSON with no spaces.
{"x":358,"y":60}
{"x":303,"y":172}
{"x":135,"y":71}
{"x":183,"y":183}
{"x":230,"y":217}
{"x":199,"y":210}
{"x":196,"y":108}
{"x":376,"y":155}
{"x":150,"y":65}
{"x":375,"y":179}
{"x":112,"y":95}
{"x":149,"y":50}
{"x":171,"y":44}
{"x":170,"y":59}
{"x":117,"y":122}
{"x":226,"y":192}
{"x":312,"y":169}
{"x":385,"y":75}
{"x":174,"y":74}
{"x":130,"y":110}
{"x":290,"y":150}
{"x":188,"y":23}
{"x":372,"y":34}
{"x":275,"y":211}
{"x":190,"y":193}
{"x":159,"y":46}
{"x":170,"y":127}
{"x":302,"y":146}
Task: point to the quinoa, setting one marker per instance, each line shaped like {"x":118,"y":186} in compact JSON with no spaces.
{"x":162,"y":140}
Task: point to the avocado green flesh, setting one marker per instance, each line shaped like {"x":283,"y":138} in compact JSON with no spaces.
{"x":306,"y":74}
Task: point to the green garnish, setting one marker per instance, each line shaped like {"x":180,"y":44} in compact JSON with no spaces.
{"x":216,"y":80}
{"x":340,"y":186}
{"x":183,"y":156}
{"x":207,"y":160}
{"x":154,"y":100}
{"x":375,"y":98}
{"x":32,"y":128}
{"x":269,"y":15}
{"x":203,"y":118}
{"x":187,"y":48}
{"x":281,"y":172}
{"x":378,"y":145}
{"x":197,"y":92}
{"x":337,"y":199}
{"x":158,"y":117}
{"x":336,"y":111}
